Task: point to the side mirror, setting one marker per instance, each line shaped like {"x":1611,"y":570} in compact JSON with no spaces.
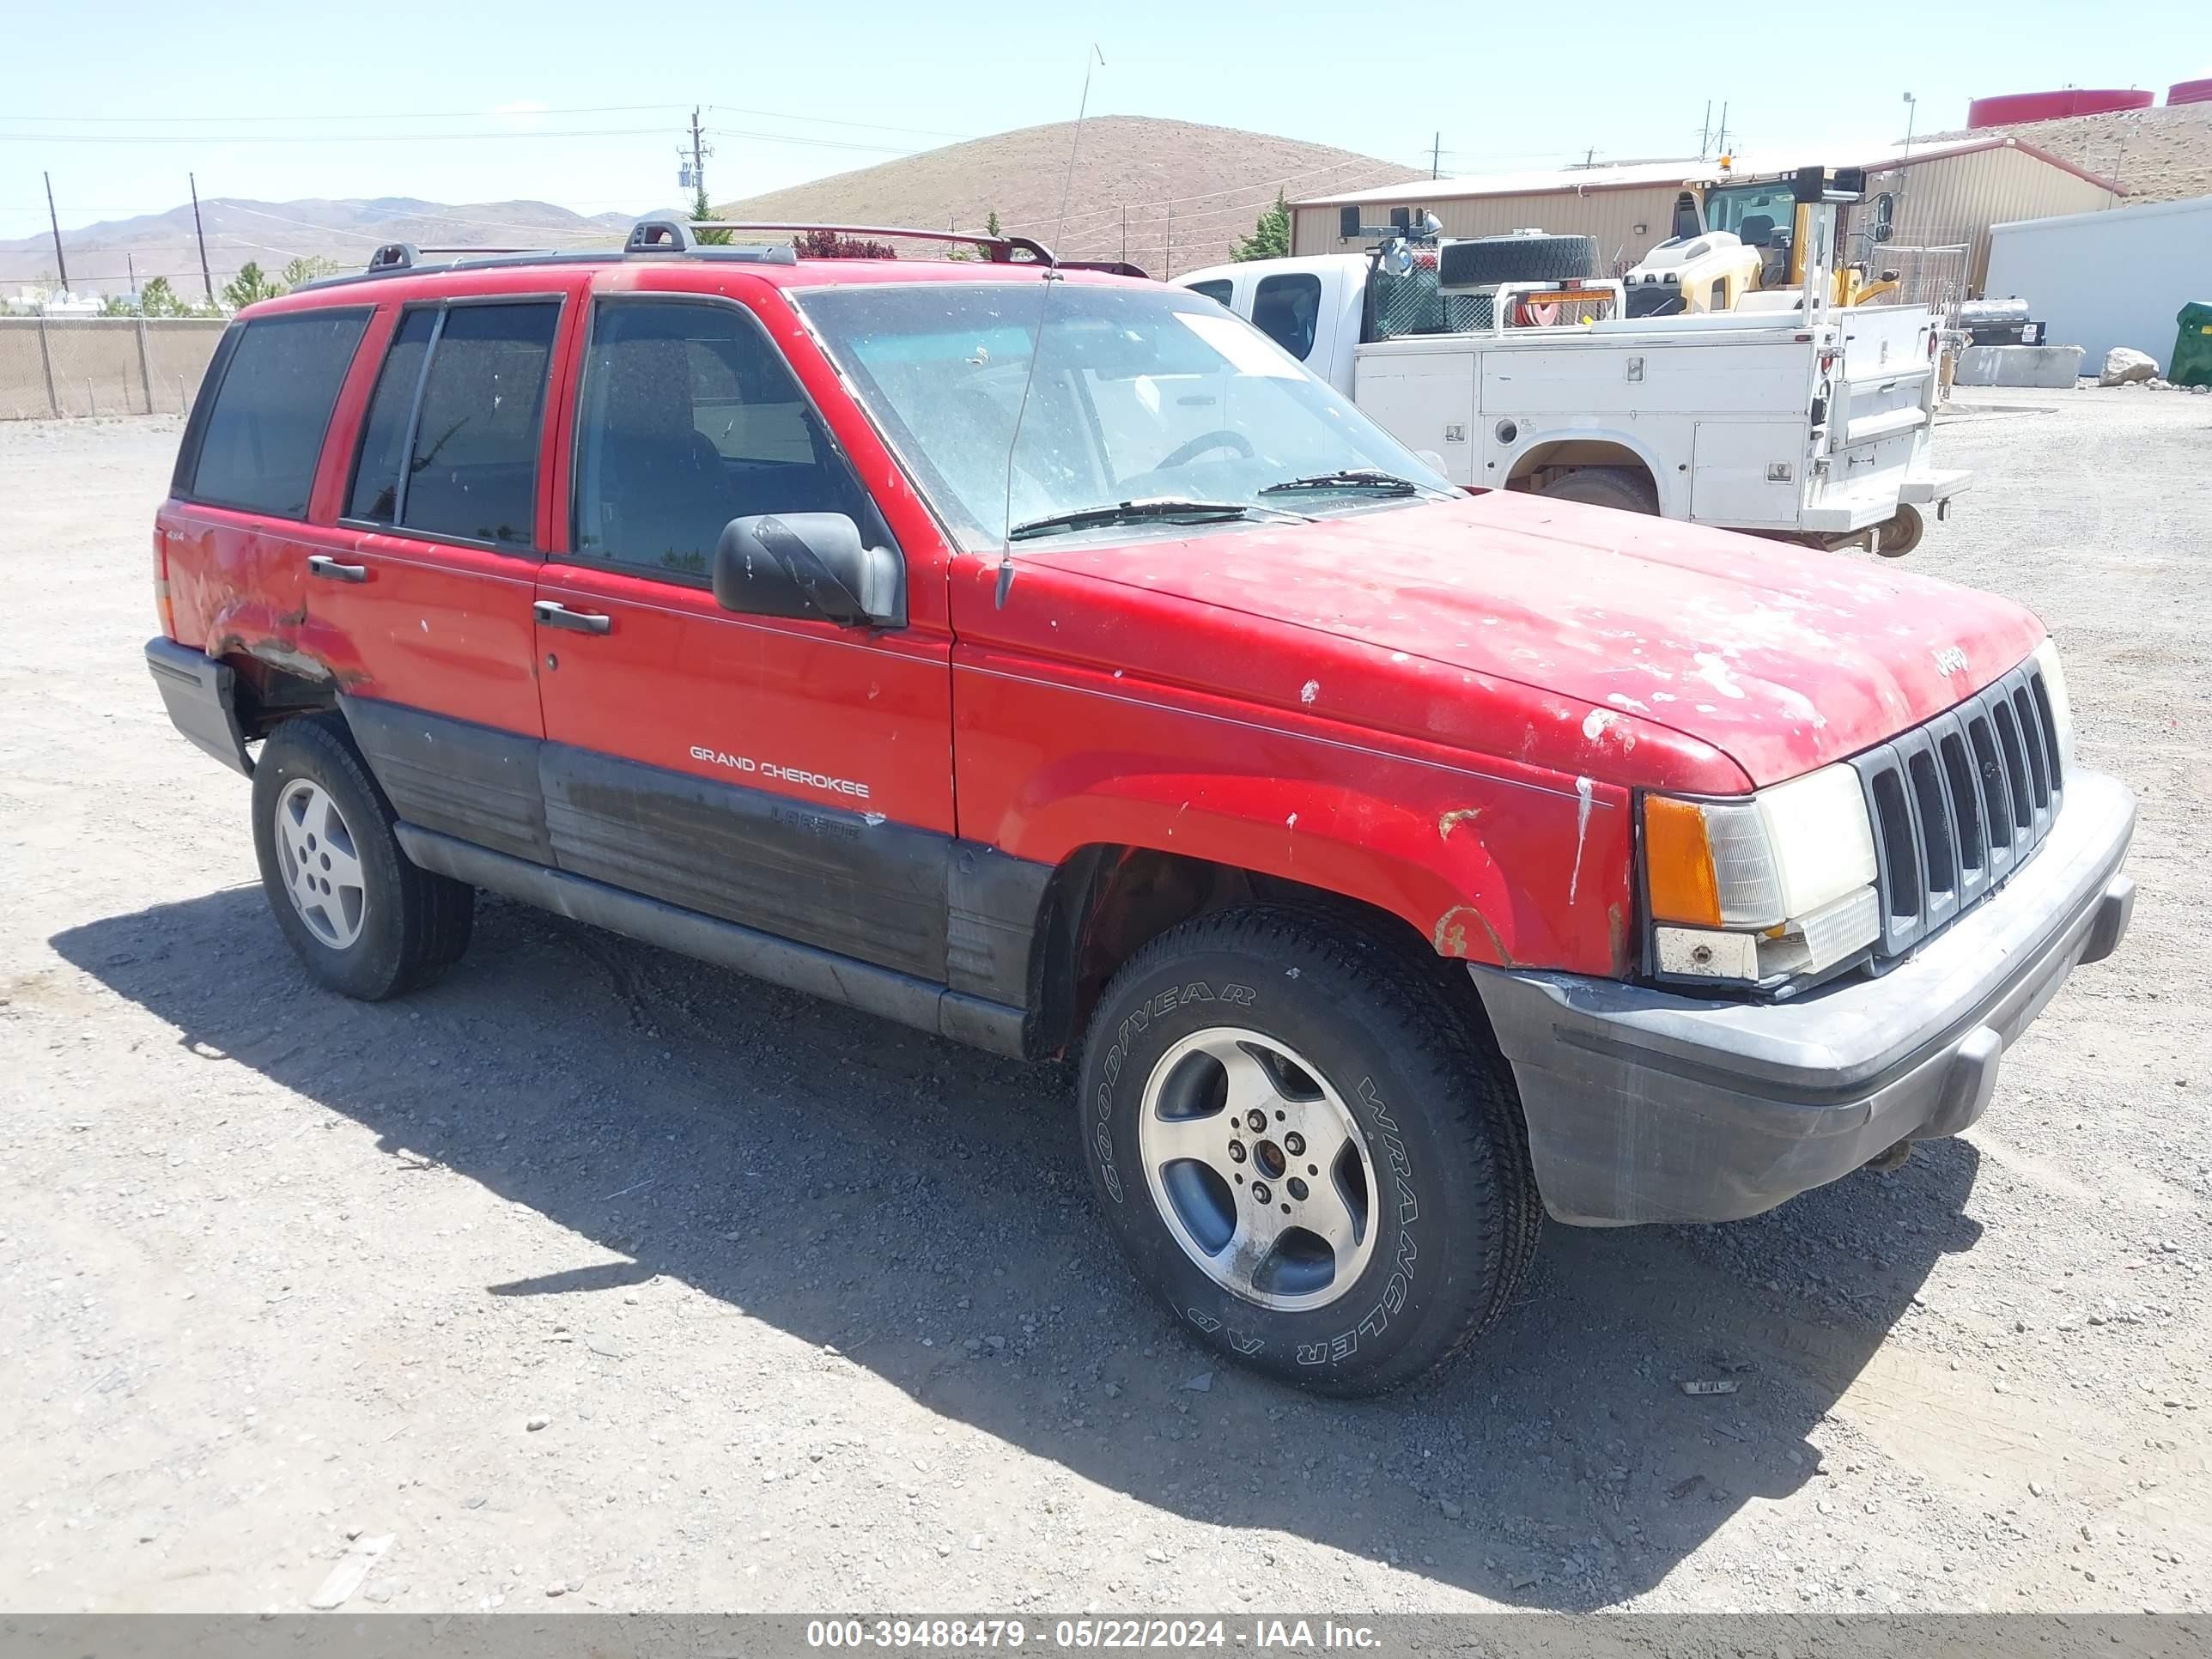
{"x":808,"y":564}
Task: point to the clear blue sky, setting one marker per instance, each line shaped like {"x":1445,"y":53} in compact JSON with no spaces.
{"x":280,"y":99}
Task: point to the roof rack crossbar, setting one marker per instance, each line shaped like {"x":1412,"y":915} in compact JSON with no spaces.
{"x":1001,"y":248}
{"x":405,"y":256}
{"x":663,"y":235}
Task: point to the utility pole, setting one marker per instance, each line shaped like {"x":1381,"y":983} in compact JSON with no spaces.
{"x":1705,"y":130}
{"x":1721,"y":143}
{"x":699,"y":154}
{"x":206,"y":279}
{"x":131,"y":265}
{"x":51,"y":220}
{"x":1168,"y":260}
{"x":1436,"y":155}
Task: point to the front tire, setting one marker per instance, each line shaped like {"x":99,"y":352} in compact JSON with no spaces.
{"x":1305,"y":1150}
{"x":367,"y":922}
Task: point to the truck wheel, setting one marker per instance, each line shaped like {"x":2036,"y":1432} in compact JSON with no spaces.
{"x":1620,"y":487}
{"x":1900,"y":535}
{"x":1305,"y":1149}
{"x":1482,"y":260}
{"x":365,"y":920}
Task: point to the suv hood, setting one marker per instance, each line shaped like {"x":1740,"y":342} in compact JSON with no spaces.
{"x":1781,"y":657}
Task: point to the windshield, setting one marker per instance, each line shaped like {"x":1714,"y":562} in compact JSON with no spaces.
{"x":1140,"y":394}
{"x":1754,"y":212}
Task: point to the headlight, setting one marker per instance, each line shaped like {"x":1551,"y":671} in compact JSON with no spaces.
{"x":1762,"y":889}
{"x":2062,"y":706}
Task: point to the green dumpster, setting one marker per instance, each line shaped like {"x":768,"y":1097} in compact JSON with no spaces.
{"x":2192,"y":347}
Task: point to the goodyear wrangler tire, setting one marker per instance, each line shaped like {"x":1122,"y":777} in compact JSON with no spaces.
{"x":1305,"y":1149}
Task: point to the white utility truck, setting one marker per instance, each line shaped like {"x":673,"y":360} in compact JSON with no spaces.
{"x":1800,"y":418}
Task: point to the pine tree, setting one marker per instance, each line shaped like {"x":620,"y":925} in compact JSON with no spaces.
{"x":1271,"y":236}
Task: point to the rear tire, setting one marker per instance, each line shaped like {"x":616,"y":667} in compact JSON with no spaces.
{"x":367,"y":922}
{"x":1379,"y":1215}
{"x":1620,"y":486}
{"x":1900,"y":535}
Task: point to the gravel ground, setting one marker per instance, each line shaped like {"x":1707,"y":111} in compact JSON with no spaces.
{"x":599,"y":1275}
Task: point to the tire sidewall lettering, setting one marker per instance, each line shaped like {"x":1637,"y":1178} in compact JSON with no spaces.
{"x":1190,"y":992}
{"x":1222,"y":1318}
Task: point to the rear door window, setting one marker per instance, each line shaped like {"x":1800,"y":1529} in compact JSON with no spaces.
{"x":256,"y":447}
{"x":1285,"y":308}
{"x":375,"y":494}
{"x":450,"y":446}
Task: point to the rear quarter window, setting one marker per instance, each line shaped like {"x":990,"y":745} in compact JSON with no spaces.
{"x":252,"y":444}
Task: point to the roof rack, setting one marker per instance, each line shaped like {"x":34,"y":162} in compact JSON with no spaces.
{"x":656,"y":236}
{"x":1001,"y":249}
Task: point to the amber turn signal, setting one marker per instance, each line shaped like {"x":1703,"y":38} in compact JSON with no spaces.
{"x":1678,"y":863}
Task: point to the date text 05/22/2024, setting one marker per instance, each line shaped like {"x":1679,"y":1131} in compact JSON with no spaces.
{"x":1264,"y":1635}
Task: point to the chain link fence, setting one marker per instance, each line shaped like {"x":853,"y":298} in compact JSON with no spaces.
{"x":60,"y":368}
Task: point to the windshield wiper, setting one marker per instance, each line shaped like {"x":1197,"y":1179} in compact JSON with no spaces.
{"x":1350,"y":477}
{"x":1169,"y":509}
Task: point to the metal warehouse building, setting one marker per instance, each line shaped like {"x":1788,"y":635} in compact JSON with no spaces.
{"x":2098,"y":282}
{"x":1941,"y":195}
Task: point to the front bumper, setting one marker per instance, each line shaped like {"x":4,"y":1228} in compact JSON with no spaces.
{"x":1647,"y":1106}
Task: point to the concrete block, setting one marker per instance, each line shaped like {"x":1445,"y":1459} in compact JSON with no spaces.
{"x":2017,"y":365}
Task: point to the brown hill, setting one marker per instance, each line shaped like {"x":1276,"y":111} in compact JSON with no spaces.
{"x":2155,"y":154}
{"x":1188,"y":191}
{"x":102,"y":258}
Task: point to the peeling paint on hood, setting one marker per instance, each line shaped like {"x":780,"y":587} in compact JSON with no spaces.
{"x":1801,"y":656}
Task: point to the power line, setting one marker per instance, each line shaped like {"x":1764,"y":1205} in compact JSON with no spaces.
{"x":316,"y":138}
{"x":808,"y":143}
{"x":375,"y":115}
{"x":1230,"y":190}
{"x":828,"y":121}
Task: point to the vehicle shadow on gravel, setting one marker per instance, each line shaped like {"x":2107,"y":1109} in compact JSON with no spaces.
{"x":865,"y":1187}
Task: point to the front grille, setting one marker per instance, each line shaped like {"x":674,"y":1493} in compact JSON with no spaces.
{"x":1959,"y":803}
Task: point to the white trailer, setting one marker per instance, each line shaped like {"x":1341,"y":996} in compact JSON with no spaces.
{"x":1801,"y":418}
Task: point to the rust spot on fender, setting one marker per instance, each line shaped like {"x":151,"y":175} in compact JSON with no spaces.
{"x":1450,"y":935}
{"x":1616,"y":934}
{"x":1451,"y":821}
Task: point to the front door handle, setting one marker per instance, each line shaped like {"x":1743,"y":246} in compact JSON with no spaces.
{"x":551,"y":613}
{"x":321,"y":564}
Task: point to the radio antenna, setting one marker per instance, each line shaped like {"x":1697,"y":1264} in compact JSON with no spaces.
{"x":1044,"y":301}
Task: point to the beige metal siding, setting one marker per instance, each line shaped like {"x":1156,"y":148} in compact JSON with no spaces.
{"x":1945,"y":199}
{"x":1627,"y":222}
{"x":1956,"y":199}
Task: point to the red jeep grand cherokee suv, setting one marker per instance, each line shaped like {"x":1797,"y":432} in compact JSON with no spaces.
{"x":1042,"y":658}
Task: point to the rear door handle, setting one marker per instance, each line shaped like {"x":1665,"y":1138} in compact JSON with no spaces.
{"x":551,"y":613}
{"x":321,"y":564}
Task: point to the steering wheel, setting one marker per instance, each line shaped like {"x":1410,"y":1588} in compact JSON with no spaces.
{"x":1183,"y":454}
